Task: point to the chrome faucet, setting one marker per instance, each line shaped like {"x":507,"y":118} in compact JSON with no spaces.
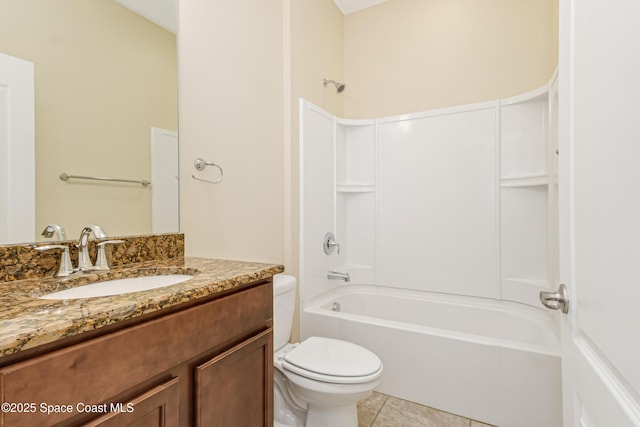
{"x":50,"y":229}
{"x":339,"y":276}
{"x":84,"y":262}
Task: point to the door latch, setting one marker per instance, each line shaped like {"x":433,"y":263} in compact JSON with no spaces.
{"x":558,"y":300}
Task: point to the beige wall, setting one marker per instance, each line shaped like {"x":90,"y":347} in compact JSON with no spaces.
{"x":103,"y":77}
{"x":406,"y":56}
{"x":316,"y":51}
{"x":243,"y":66}
{"x":231,"y":69}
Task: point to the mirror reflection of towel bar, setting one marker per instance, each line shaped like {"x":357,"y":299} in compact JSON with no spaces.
{"x":200,"y":164}
{"x":65,"y":177}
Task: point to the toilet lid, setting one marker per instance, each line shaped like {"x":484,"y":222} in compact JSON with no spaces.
{"x":336,"y":358}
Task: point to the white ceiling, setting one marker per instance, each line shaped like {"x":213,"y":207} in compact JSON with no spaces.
{"x":163,"y":12}
{"x":160,"y":12}
{"x":350,"y":6}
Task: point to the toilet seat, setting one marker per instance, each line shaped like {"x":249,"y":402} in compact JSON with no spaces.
{"x":332,"y":361}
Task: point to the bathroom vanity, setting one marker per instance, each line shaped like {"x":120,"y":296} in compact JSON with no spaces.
{"x":196,"y":353}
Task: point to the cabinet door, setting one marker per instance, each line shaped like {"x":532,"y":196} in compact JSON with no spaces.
{"x":236,"y":387}
{"x":156,"y":408}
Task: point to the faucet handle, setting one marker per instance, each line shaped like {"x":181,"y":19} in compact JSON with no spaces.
{"x":101,"y":258}
{"x":66,"y":268}
{"x":329,"y":243}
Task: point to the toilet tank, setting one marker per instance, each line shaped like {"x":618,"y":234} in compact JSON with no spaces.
{"x":284,"y":302}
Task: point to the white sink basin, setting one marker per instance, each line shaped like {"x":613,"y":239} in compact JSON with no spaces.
{"x":119,"y":286}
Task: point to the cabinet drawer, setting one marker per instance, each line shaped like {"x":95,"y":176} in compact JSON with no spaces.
{"x":94,"y":371}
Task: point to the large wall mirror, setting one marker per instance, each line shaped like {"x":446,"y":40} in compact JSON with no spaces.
{"x":105,"y":81}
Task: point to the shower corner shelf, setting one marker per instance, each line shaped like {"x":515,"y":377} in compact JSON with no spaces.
{"x":355,"y":188}
{"x":532,"y":180}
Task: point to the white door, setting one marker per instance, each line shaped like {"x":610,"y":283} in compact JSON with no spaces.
{"x":17,"y":136}
{"x":600,"y":210}
{"x":164,"y":181}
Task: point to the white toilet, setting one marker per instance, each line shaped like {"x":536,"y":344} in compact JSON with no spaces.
{"x":317,"y":382}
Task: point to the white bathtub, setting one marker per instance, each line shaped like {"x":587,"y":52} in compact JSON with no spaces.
{"x":491,"y":361}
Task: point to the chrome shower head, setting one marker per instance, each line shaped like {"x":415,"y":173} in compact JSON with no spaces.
{"x":339,"y":86}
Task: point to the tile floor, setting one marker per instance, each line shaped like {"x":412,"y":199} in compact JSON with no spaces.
{"x":381,"y":410}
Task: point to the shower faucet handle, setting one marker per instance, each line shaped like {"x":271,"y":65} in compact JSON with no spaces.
{"x":329,"y":244}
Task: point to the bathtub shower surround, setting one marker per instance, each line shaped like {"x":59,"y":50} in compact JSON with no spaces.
{"x":461,"y":202}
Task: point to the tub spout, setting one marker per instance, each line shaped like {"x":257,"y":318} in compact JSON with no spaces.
{"x":339,"y":276}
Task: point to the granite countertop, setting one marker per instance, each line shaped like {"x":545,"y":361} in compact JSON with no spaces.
{"x":27,"y":322}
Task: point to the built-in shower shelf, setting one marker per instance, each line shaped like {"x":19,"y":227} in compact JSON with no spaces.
{"x":355,"y":188}
{"x":532,"y":180}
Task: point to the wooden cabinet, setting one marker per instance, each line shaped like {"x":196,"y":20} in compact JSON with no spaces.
{"x":210,"y":361}
{"x":245,"y":371}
